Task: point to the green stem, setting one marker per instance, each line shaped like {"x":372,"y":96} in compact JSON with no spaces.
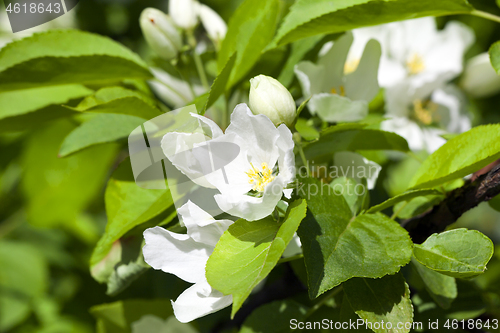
{"x":297,"y":257}
{"x":304,"y":159}
{"x":197,"y":61}
{"x":485,"y":15}
{"x":396,"y":213}
{"x":318,"y":305}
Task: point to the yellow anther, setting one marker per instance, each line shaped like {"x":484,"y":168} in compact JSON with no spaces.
{"x":342,"y":91}
{"x":258,"y":178}
{"x":351,"y":66}
{"x":424,"y":111}
{"x":415,"y":64}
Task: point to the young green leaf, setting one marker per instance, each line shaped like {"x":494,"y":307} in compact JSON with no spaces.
{"x":274,"y":317}
{"x":459,"y":157}
{"x":381,"y":300}
{"x":118,"y":317}
{"x":21,"y":110}
{"x":458,"y":253}
{"x":102,"y":128}
{"x":311,"y":17}
{"x":220,"y":83}
{"x":442,"y":288}
{"x":127,"y":206}
{"x":64,"y":57}
{"x":352,"y":137}
{"x":495,"y":56}
{"x":250,"y":30}
{"x":248,"y":251}
{"x":338,"y":246}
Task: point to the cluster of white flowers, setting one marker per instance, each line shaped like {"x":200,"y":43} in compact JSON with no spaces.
{"x":415,"y":65}
{"x":250,"y":180}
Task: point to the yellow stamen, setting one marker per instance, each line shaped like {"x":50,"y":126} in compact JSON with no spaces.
{"x":424,"y":111}
{"x":415,"y":64}
{"x":342,"y":91}
{"x":351,"y":66}
{"x":258,"y":178}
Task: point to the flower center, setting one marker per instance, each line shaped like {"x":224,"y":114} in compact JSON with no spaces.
{"x":424,"y":111}
{"x":415,"y":64}
{"x":351,"y":66}
{"x":341,"y":90}
{"x":260,"y":178}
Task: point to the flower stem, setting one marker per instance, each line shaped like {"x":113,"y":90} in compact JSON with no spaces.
{"x":197,"y":61}
{"x":485,"y":15}
{"x":297,"y":257}
{"x":303,"y":158}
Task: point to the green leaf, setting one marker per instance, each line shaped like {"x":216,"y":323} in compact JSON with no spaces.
{"x":153,"y":324}
{"x":459,"y":157}
{"x":120,"y":101}
{"x":338,"y":247}
{"x":102,"y":128}
{"x":15,"y":310}
{"x":118,"y":317}
{"x":220,"y":83}
{"x":495,"y":56}
{"x":64,"y":57}
{"x":352,"y":137}
{"x":405,"y":197}
{"x":458,"y":253}
{"x":250,"y":30}
{"x":127,"y":206}
{"x":495,"y":203}
{"x":23,"y":110}
{"x":381,"y":300}
{"x":275,"y":317}
{"x":306,"y":130}
{"x":59,"y":190}
{"x":311,"y":17}
{"x":299,"y":49}
{"x":442,"y":288}
{"x":248,"y":251}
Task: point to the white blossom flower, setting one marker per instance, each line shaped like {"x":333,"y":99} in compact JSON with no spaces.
{"x":269,"y":97}
{"x":341,"y":90}
{"x":186,"y":256}
{"x":422,"y":120}
{"x":251,"y":182}
{"x":480,"y":78}
{"x":423,"y":57}
{"x":357,"y":167}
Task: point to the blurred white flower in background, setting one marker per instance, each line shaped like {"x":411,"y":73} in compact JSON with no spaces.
{"x":340,"y":89}
{"x":480,"y":78}
{"x":186,"y":255}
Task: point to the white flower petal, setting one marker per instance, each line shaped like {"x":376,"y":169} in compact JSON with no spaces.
{"x":480,"y":78}
{"x":334,"y":61}
{"x":362,"y":85}
{"x":199,"y":300}
{"x":214,"y":25}
{"x":201,"y":226}
{"x":336,"y":108}
{"x":176,"y":254}
{"x":355,"y":166}
{"x":294,"y":247}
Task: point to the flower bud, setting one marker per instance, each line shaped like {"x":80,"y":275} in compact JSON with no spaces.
{"x":184,"y":13}
{"x":214,"y":24}
{"x":269,"y":97}
{"x":480,"y":79}
{"x":160,"y":33}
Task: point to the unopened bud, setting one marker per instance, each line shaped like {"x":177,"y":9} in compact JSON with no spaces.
{"x":269,"y":97}
{"x":214,"y":24}
{"x":160,"y":33}
{"x":480,"y":78}
{"x":184,"y":13}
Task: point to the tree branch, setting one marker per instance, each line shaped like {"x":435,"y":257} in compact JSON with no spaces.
{"x":458,"y":201}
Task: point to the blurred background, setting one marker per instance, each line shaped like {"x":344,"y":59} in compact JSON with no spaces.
{"x":52,"y":211}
